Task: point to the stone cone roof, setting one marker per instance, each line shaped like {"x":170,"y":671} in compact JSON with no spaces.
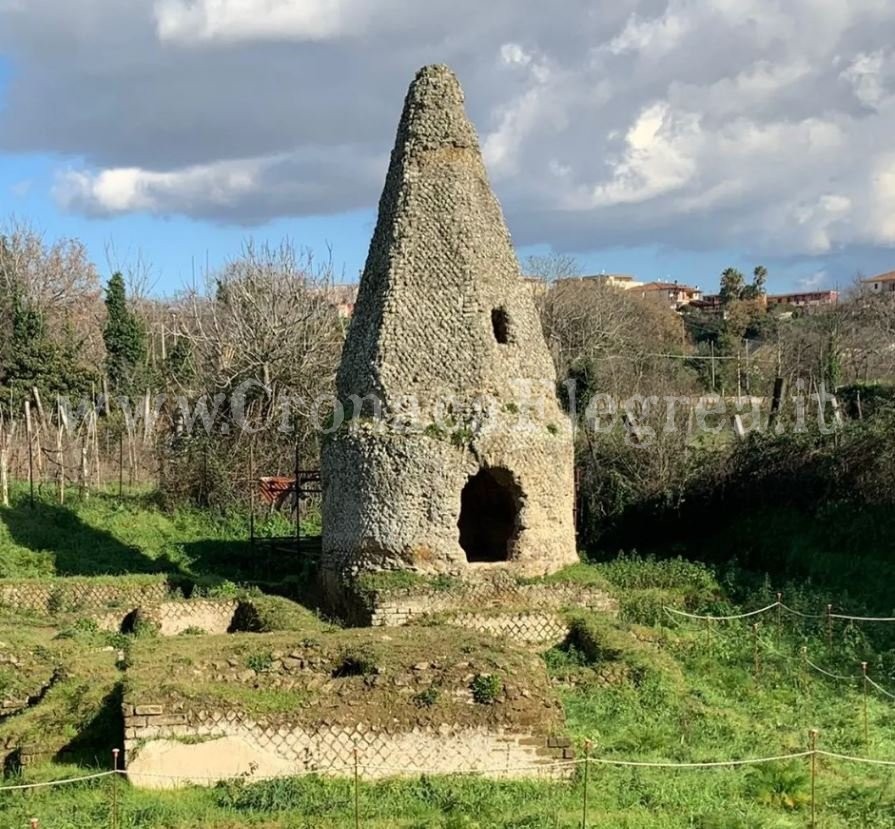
{"x":440,"y":267}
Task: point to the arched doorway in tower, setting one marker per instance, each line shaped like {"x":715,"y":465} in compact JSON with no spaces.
{"x":489,"y":515}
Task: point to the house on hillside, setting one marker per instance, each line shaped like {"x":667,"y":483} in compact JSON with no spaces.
{"x":804,"y":299}
{"x":881,"y":282}
{"x":673,"y":294}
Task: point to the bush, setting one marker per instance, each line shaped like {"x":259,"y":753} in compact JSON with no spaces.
{"x":427,"y":698}
{"x":486,"y":688}
{"x":357,"y":662}
{"x":260,"y":662}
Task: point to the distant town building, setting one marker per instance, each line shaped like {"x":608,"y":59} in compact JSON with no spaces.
{"x":673,"y":294}
{"x":804,"y":299}
{"x":615,"y":280}
{"x":712,"y":303}
{"x":881,"y":282}
{"x":342,"y":297}
{"x":708,"y":302}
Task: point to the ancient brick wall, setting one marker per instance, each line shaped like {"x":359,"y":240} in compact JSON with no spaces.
{"x":501,"y":606}
{"x":535,"y":628}
{"x":75,"y":595}
{"x":283,"y":749}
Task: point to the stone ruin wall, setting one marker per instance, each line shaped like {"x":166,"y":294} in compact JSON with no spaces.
{"x":211,"y":616}
{"x":529,"y":614}
{"x":60,"y":595}
{"x":206,"y":746}
{"x":402,"y":498}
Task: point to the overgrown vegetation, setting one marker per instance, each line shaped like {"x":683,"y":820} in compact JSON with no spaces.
{"x":677,"y":690}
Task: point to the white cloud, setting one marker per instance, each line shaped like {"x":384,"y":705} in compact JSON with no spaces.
{"x":242,"y":191}
{"x":868,"y":74}
{"x":129,"y":189}
{"x":513,"y":53}
{"x":659,"y":158}
{"x":815,"y":281}
{"x":233,"y":20}
{"x":699,"y":124}
{"x":653,"y":36}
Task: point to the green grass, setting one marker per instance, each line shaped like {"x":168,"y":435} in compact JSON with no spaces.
{"x":642,"y":686}
{"x":680,"y":692}
{"x":105,"y":535}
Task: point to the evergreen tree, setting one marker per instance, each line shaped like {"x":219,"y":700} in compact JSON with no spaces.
{"x":34,"y":360}
{"x":124,"y":337}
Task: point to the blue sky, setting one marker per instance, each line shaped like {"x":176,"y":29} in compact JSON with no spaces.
{"x":177,"y":130}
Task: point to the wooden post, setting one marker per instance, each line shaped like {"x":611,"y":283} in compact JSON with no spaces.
{"x":114,"y":814}
{"x":830,"y":627}
{"x":252,"y":493}
{"x":94,"y":420}
{"x":297,"y":502}
{"x":4,"y":475}
{"x":120,"y":464}
{"x":5,"y":440}
{"x":356,"y":791}
{"x":755,"y":651}
{"x":812,"y":745}
{"x":84,"y":475}
{"x":712,"y":346}
{"x":866,"y":722}
{"x":60,"y":471}
{"x":30,"y":453}
{"x":587,"y":745}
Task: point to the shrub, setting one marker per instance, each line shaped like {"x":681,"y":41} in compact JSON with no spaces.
{"x":260,"y":662}
{"x":780,"y":784}
{"x":357,"y":662}
{"x":427,"y":698}
{"x":486,"y":688}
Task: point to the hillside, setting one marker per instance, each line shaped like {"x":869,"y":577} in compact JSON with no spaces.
{"x":648,"y":686}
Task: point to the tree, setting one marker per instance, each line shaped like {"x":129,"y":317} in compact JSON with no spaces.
{"x":757,"y":289}
{"x":759,"y":278}
{"x":732,"y":284}
{"x":551,"y":267}
{"x":124,"y":337}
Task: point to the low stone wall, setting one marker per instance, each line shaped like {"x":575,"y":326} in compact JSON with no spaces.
{"x":395,"y":608}
{"x":212,"y":616}
{"x":76,"y":595}
{"x":535,"y":628}
{"x":164,"y":749}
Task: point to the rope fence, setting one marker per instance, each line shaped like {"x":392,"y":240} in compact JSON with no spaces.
{"x":774,"y":606}
{"x":811,"y":754}
{"x":583,"y":764}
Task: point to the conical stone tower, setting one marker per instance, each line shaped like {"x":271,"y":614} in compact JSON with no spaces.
{"x":457,"y":456}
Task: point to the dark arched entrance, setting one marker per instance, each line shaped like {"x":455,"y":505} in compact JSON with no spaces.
{"x":489,"y":513}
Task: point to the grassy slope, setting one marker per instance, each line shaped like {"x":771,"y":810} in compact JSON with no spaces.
{"x":108,"y":536}
{"x":680,"y":692}
{"x":642,"y":687}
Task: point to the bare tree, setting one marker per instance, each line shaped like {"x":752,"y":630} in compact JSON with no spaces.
{"x":268,"y":317}
{"x":57,"y":279}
